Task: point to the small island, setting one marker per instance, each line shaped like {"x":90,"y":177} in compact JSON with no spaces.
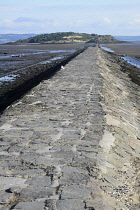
{"x":69,"y":37}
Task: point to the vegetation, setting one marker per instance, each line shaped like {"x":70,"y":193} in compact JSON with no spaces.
{"x":69,"y":37}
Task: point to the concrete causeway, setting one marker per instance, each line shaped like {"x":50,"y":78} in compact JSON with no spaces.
{"x":56,"y":142}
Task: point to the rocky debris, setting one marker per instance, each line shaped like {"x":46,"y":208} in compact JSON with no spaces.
{"x":72,"y":141}
{"x":119,"y":158}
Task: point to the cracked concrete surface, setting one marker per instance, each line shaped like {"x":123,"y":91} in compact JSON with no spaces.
{"x":72,"y":141}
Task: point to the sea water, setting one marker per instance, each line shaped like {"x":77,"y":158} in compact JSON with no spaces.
{"x":129,"y":59}
{"x":7,"y":78}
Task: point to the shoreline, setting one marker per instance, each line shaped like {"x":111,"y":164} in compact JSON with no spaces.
{"x":132,"y":70}
{"x":131,"y":49}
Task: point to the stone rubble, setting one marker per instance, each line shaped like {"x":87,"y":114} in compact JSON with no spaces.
{"x":119,"y":160}
{"x":71,"y":143}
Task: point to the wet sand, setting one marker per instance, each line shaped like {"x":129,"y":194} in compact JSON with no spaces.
{"x":130,"y":49}
{"x":14,"y":57}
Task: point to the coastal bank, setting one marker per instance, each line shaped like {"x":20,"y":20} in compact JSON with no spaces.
{"x":72,"y":142}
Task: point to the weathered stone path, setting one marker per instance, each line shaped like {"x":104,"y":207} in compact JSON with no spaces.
{"x":50,"y":140}
{"x":72,"y":143}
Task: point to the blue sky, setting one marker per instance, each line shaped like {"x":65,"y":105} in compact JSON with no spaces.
{"x":115,"y":17}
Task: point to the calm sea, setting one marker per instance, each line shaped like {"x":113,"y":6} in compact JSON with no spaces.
{"x":128,"y":38}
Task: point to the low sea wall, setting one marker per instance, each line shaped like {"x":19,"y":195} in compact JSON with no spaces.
{"x":72,"y":142}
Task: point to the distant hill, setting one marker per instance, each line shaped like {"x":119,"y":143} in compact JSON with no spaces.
{"x":4,"y":38}
{"x":128,"y":38}
{"x":69,"y":37}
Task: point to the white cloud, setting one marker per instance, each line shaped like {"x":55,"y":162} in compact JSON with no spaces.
{"x":106,"y":20}
{"x":102,"y":17}
{"x":135,"y":20}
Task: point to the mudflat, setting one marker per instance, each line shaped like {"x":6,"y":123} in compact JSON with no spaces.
{"x":130,"y":49}
{"x":14,"y":57}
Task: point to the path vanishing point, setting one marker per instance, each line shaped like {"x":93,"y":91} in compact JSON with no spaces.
{"x":72,"y":142}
